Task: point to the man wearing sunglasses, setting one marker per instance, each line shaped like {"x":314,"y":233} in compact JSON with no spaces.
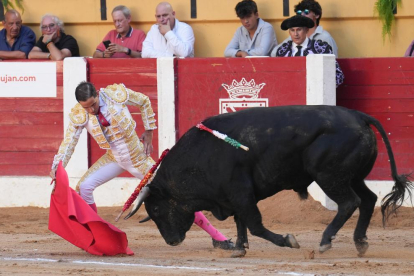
{"x":313,"y":10}
{"x":255,"y":37}
{"x":54,"y":44}
{"x":16,"y":40}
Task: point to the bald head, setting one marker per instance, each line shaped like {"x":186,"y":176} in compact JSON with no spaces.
{"x":12,"y":23}
{"x":164,"y":5}
{"x":164,"y":14}
{"x":12,"y":12}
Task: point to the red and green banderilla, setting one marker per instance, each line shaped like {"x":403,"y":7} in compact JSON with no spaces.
{"x":222,"y":136}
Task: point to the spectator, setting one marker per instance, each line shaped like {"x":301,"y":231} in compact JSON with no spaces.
{"x":313,"y":10}
{"x":16,"y":40}
{"x":301,"y":45}
{"x":410,"y":50}
{"x":255,"y":38}
{"x":125,"y":41}
{"x":54,"y":44}
{"x":169,"y":37}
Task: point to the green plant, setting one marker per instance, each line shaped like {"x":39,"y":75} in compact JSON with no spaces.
{"x":385,"y":10}
{"x":13,"y":4}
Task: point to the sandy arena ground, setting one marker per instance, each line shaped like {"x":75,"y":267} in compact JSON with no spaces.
{"x":27,"y":247}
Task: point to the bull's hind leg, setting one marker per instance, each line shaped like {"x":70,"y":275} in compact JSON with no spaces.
{"x":347,"y":202}
{"x":366,"y":209}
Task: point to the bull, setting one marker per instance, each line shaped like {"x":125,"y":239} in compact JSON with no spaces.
{"x":290,"y":147}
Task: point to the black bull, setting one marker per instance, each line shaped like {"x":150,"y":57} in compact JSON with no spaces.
{"x":290,"y":147}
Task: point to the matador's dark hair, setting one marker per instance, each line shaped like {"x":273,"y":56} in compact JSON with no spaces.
{"x":84,"y":91}
{"x":246,"y":8}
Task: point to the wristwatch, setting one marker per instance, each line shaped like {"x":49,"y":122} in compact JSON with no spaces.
{"x":129,"y":51}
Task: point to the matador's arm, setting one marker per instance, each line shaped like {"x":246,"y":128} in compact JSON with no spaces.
{"x":78,"y":118}
{"x":144,"y":104}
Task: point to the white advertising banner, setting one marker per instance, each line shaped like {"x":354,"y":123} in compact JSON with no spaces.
{"x":27,"y":79}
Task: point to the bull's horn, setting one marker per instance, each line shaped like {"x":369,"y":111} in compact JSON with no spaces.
{"x":140,"y":199}
{"x":145,"y":219}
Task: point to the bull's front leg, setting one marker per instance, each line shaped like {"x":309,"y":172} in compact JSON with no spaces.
{"x":244,"y":203}
{"x":253,"y":221}
{"x":242,"y":241}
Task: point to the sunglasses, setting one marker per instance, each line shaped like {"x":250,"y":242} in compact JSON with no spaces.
{"x":306,"y":11}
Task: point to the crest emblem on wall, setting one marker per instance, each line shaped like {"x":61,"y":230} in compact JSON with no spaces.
{"x":242,"y":95}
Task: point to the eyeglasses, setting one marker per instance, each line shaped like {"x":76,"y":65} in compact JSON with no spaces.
{"x":50,"y":26}
{"x":306,"y":11}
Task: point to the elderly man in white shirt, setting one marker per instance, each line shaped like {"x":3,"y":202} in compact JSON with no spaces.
{"x":169,"y":37}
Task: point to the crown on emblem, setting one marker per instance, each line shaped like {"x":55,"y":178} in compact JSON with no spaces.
{"x":243,"y":89}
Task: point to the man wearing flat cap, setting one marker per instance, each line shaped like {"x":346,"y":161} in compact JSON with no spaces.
{"x":300,"y":45}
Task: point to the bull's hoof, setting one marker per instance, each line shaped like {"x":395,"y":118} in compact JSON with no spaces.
{"x":238,"y":253}
{"x":362,"y":246}
{"x":246,"y":245}
{"x":291,"y":242}
{"x":325,"y":247}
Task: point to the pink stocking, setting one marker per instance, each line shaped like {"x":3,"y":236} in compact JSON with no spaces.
{"x":203,"y":222}
{"x":93,"y":206}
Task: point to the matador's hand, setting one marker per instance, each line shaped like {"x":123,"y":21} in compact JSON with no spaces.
{"x":146,"y":139}
{"x":52,"y":174}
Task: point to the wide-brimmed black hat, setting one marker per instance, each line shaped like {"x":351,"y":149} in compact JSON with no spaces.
{"x":297,"y":21}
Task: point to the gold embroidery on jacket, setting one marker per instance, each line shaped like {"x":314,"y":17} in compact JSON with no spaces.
{"x":78,"y":115}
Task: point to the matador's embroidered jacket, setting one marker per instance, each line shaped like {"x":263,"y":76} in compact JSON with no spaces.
{"x":122,"y":126}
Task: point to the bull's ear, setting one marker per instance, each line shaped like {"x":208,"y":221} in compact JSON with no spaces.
{"x":140,"y":199}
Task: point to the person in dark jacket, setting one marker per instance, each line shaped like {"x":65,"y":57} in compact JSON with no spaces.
{"x":54,"y":43}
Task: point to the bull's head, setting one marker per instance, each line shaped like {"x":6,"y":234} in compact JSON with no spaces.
{"x":173,"y":218}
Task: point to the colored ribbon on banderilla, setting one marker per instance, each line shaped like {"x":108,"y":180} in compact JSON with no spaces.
{"x":142,"y":184}
{"x":222,"y":136}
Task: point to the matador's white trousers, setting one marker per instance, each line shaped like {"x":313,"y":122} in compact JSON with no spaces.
{"x":121,"y":157}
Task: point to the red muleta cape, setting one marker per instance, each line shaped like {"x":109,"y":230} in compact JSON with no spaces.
{"x":74,"y":220}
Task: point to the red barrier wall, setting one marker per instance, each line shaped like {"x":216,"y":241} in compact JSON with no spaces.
{"x":199,"y":84}
{"x":137,"y":74}
{"x":383,"y":88}
{"x":31,"y":130}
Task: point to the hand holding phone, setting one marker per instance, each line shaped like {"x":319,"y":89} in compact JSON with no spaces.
{"x":106,"y":43}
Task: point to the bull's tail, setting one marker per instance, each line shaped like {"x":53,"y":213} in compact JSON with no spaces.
{"x":392,"y":201}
